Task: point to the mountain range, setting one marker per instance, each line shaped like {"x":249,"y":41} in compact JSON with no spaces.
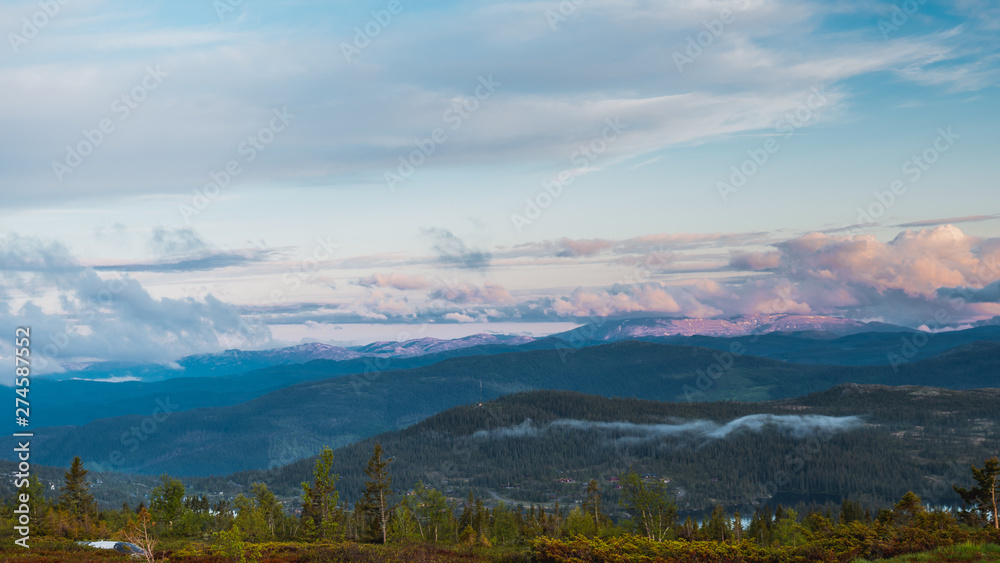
{"x":232,"y":362}
{"x":296,"y":421}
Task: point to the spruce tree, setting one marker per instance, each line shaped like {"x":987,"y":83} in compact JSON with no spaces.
{"x":75,"y":496}
{"x":375,"y":502}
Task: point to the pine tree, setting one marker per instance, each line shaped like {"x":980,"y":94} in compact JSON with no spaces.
{"x":592,"y":504}
{"x":375,"y":502}
{"x":983,"y":497}
{"x":76,"y":497}
{"x":320,"y":515}
{"x":717,"y":528}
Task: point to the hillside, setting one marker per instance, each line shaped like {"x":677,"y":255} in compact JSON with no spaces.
{"x":862,"y":349}
{"x":865,"y":442}
{"x":294,"y":422}
{"x":233,"y":378}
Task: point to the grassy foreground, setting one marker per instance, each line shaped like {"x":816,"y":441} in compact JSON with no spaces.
{"x":55,"y":551}
{"x":963,"y":552}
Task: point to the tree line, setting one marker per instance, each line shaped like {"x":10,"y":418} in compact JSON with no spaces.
{"x":423,"y":514}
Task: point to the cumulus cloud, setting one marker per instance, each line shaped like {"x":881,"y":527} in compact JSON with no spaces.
{"x":459,"y":318}
{"x":916,"y":262}
{"x":606,"y":303}
{"x":488,"y":293}
{"x":83,"y":315}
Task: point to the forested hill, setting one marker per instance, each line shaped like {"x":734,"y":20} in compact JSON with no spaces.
{"x":295,"y":422}
{"x":871,"y":443}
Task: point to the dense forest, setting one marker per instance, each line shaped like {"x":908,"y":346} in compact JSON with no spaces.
{"x":535,"y":447}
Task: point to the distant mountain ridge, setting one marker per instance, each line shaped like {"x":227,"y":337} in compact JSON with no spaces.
{"x":236,"y":361}
{"x":739,"y":326}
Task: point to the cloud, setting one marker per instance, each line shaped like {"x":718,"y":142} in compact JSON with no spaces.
{"x":904,"y":281}
{"x":459,"y":318}
{"x":951,"y":221}
{"x":395,"y":281}
{"x":201,"y":262}
{"x":652,"y":298}
{"x":703,"y":431}
{"x":915,"y":262}
{"x":451,"y":250}
{"x":169,"y":242}
{"x":574,"y":248}
{"x":464,"y":293}
{"x":224,"y":81}
{"x":78,"y":314}
{"x":755,"y":260}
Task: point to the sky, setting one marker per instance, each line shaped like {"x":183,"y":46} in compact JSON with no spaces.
{"x":190,"y":176}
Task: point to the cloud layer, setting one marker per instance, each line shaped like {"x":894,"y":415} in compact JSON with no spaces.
{"x":697,"y":431}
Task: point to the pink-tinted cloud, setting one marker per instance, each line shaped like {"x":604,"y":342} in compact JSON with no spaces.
{"x":917,"y":263}
{"x":905,"y":280}
{"x":645,"y":298}
{"x":488,"y":293}
{"x":755,"y":260}
{"x":394,"y":281}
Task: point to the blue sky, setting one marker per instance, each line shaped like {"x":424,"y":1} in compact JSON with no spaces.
{"x":637,"y":115}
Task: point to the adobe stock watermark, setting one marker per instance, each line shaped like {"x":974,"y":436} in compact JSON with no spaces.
{"x":582,"y":158}
{"x":563,"y":11}
{"x":455,"y":116}
{"x":759,"y":157}
{"x":365,"y":34}
{"x":714,"y":28}
{"x":900,"y":16}
{"x":913,"y":169}
{"x":249,"y":149}
{"x":225,"y":7}
{"x":122,"y":107}
{"x":32,"y":25}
